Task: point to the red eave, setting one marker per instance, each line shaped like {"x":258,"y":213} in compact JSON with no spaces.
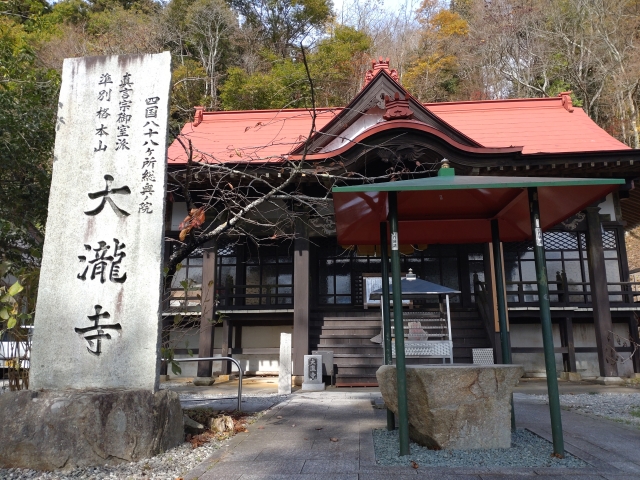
{"x":407,"y":125}
{"x":541,"y":125}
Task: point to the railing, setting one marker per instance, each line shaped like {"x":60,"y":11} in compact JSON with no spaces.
{"x":210,"y":359}
{"x":565,"y":293}
{"x":255,"y":296}
{"x":251,"y":297}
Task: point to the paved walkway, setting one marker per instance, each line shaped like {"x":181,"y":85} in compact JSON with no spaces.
{"x":292,"y":441}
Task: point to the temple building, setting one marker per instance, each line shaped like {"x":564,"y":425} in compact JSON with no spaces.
{"x":309,"y":285}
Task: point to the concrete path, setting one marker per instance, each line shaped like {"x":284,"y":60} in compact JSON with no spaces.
{"x":292,"y":441}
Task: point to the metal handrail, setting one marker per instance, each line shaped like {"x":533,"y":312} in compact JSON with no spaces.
{"x":209,"y":359}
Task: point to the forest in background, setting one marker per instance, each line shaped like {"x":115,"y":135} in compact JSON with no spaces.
{"x":247,"y":54}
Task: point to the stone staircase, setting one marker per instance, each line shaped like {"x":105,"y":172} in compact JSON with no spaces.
{"x":357,"y":358}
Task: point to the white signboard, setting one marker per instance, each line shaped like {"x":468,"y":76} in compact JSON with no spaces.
{"x":97,"y":322}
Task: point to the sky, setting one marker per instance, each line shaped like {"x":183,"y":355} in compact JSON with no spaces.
{"x":391,"y":5}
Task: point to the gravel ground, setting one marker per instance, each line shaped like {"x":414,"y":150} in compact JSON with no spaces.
{"x":224,"y":401}
{"x":167,"y":466}
{"x":527,"y":450}
{"x":621,"y":407}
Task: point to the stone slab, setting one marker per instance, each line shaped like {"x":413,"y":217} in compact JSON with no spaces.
{"x":97,"y":320}
{"x":284,"y":376}
{"x":455,"y":406}
{"x":327,"y":361}
{"x":52,"y":430}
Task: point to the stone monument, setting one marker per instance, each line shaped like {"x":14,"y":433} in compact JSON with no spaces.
{"x":313,"y":373}
{"x":95,"y":353}
{"x":284,"y":376}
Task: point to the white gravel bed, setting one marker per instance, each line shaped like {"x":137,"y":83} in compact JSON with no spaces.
{"x":167,"y":466}
{"x":613,"y":406}
{"x":527,"y":450}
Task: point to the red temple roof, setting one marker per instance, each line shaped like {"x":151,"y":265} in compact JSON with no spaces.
{"x":538,"y":125}
{"x":248,"y":135}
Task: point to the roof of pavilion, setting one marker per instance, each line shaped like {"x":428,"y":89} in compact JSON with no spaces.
{"x":524,"y":127}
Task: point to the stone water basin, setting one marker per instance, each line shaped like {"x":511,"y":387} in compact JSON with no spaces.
{"x":455,"y":406}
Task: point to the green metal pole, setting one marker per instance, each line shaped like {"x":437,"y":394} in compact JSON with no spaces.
{"x":401,"y":369}
{"x":386,"y":318}
{"x":502,"y":311}
{"x":545,"y":321}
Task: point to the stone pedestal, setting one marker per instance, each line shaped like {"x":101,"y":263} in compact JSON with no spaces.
{"x":203,"y":381}
{"x":570,"y":376}
{"x":64,"y":429}
{"x":313,"y":373}
{"x":610,"y":381}
{"x":455,"y":407}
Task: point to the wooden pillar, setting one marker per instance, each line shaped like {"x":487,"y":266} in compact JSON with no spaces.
{"x":566,"y":340}
{"x":300,"y":297}
{"x":167,"y":321}
{"x":241,"y":275}
{"x":237,"y":336}
{"x":490,"y":285}
{"x":600,"y":296}
{"x":628,"y":295}
{"x":464,"y":276}
{"x":633,"y":332}
{"x":208,"y":309}
{"x":166,"y":290}
{"x":500,"y":289}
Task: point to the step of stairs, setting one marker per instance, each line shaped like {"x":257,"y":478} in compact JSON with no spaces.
{"x":357,"y":358}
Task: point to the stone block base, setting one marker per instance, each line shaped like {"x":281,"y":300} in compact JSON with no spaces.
{"x":313,"y":387}
{"x":455,"y":407}
{"x":570,"y":376}
{"x":610,"y":381}
{"x":203,"y":381}
{"x":64,"y":429}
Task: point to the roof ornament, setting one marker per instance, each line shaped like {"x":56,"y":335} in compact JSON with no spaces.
{"x":197,"y":119}
{"x":567,"y":103}
{"x":445,"y":169}
{"x":376,"y":66}
{"x":397,"y":109}
{"x":410,"y":276}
